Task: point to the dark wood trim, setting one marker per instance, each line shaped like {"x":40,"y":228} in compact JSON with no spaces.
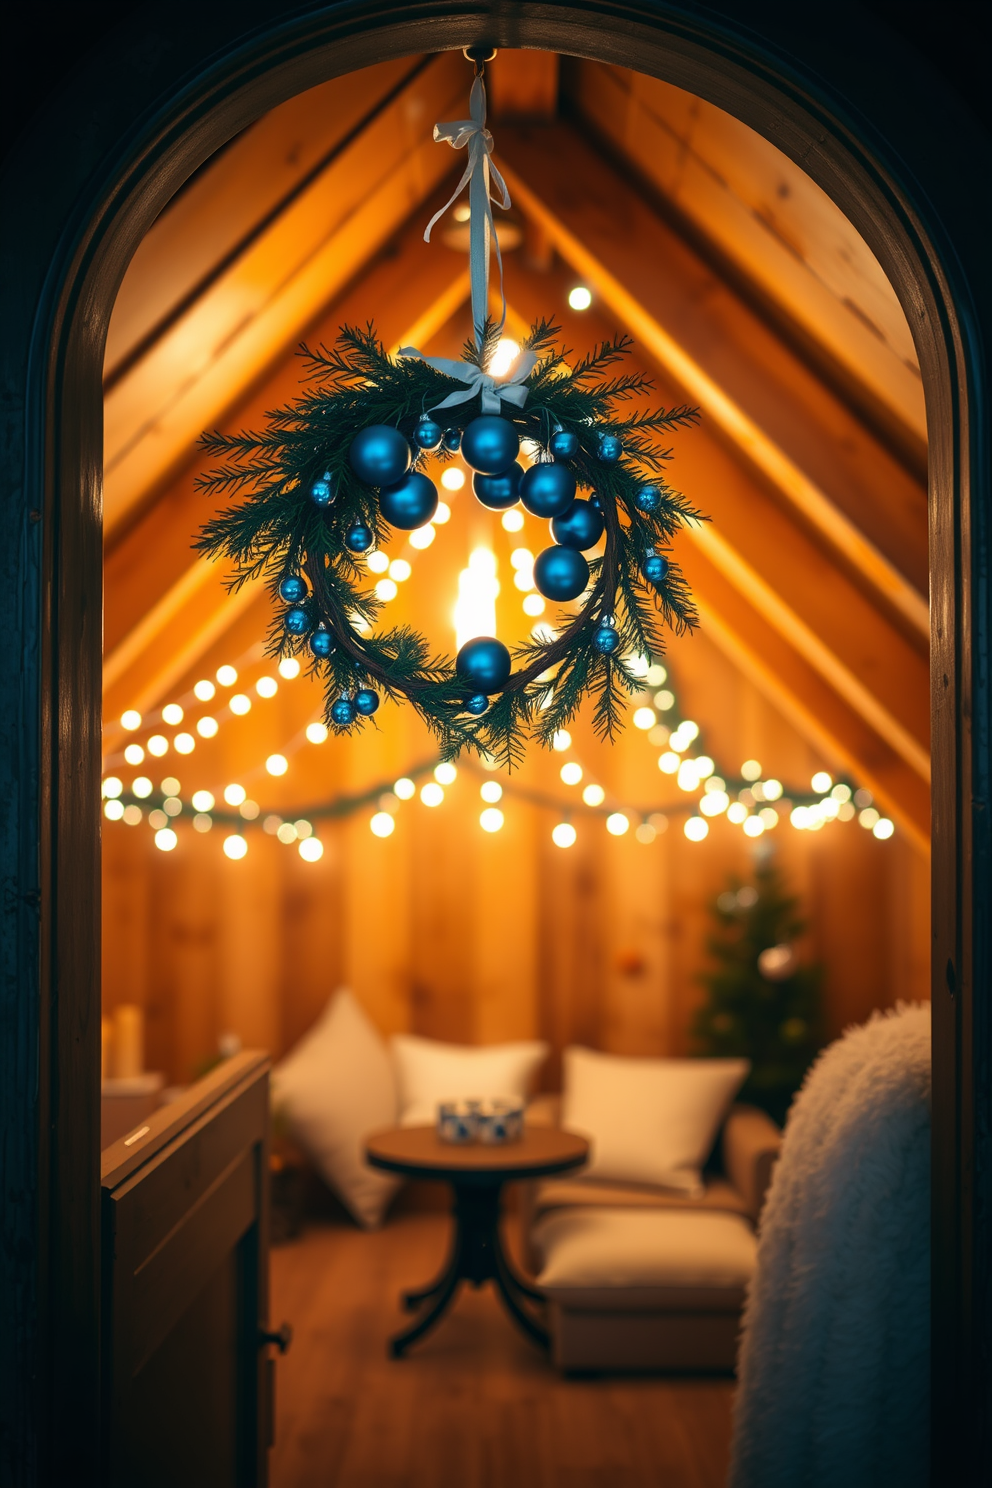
{"x":875,"y":126}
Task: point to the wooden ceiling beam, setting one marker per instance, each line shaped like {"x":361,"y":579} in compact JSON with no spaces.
{"x":803,"y":442}
{"x":522,"y":86}
{"x":229,"y":337}
{"x":157,"y":594}
{"x":769,"y":557}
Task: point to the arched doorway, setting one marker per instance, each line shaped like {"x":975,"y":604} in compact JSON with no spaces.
{"x":172,"y":103}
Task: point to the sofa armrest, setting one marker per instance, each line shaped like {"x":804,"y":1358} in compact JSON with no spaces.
{"x":751,"y":1143}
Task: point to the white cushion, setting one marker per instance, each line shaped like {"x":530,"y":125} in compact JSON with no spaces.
{"x":644,"y":1248}
{"x":334,"y":1089}
{"x":429,"y":1072}
{"x":649,"y":1120}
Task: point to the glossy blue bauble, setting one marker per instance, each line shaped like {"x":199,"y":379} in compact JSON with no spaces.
{"x":654,"y":568}
{"x":293,"y":589}
{"x":477,"y":703}
{"x":410,"y":503}
{"x":452,"y":440}
{"x":322,"y":643}
{"x":484,"y":664}
{"x":379,"y":455}
{"x":606,"y":640}
{"x":359,"y":538}
{"x":564,"y":444}
{"x":366,"y":701}
{"x":428,"y":434}
{"x":343,"y":712}
{"x":296,"y":621}
{"x":560,"y":573}
{"x":610,"y":449}
{"x":547,"y":490}
{"x":322,"y":490}
{"x":497,"y":492}
{"x":490,"y":444}
{"x":648,"y":499}
{"x":580,"y":527}
{"x":594,"y":501}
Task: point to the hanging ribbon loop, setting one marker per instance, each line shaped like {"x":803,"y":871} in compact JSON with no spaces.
{"x":492,"y":392}
{"x":480,"y":175}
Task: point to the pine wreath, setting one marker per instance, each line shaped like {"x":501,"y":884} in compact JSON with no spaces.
{"x":305,"y":518}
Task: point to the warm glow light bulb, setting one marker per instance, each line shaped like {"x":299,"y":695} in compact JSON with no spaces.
{"x":235,"y":846}
{"x":657,"y":675}
{"x":704,"y":766}
{"x":422,"y":537}
{"x":534,"y":605}
{"x":491,"y":819}
{"x":737,"y":812}
{"x":522,"y":558}
{"x":696,"y":829}
{"x":377,"y":562}
{"x":617,"y":824}
{"x":883,"y":828}
{"x":431,"y":794}
{"x":491,"y":791}
{"x":184,"y":743}
{"x":316,"y":732}
{"x":400,"y":570}
{"x":266,"y":687}
{"x":645,"y":718}
{"x":512,"y":520}
{"x":206,"y":727}
{"x":132,"y":816}
{"x":311,"y":849}
{"x":203,"y":801}
{"x":687,"y":778}
{"x":564,"y":835}
{"x":204,"y":690}
{"x":645,"y":832}
{"x":688,"y":729}
{"x":277,"y":764}
{"x":226,"y":675}
{"x":286,"y":833}
{"x":405,"y":789}
{"x":751,"y":770}
{"x":594,"y":795}
{"x":170,"y":786}
{"x":821,"y":782}
{"x":131,"y":719}
{"x":571,"y":773}
{"x":165,"y":839}
{"x":113,"y":810}
{"x":382,"y":824}
{"x":580,"y":298}
{"x":445,"y":773}
{"x":773,"y":790}
{"x":664,"y":700}
{"x":289,"y":668}
{"x":769,"y":816}
{"x":453,"y":478}
{"x":112,"y":788}
{"x":235,"y":794}
{"x":503,"y":358}
{"x":442,"y":514}
{"x":754,"y":826}
{"x":134,"y":754}
{"x":158,"y":745}
{"x":669,"y":763}
{"x":240,"y":704}
{"x":714,"y":802}
{"x":386,"y":590}
{"x":562,"y":741}
{"x":172,"y":714}
{"x":141,"y":787}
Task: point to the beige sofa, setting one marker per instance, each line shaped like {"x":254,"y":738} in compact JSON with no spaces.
{"x":638,"y":1277}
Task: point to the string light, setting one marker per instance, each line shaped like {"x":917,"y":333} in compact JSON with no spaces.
{"x":277,"y":764}
{"x":382,"y":824}
{"x":571,"y":773}
{"x":203,"y":801}
{"x":443,"y":513}
{"x":316,"y":733}
{"x":235,"y":794}
{"x":226,"y":675}
{"x":266,"y":687}
{"x":131,"y":720}
{"x":617,"y":824}
{"x":562,"y":741}
{"x":453,"y":478}
{"x":404,"y":788}
{"x":491,"y":819}
{"x":235,"y":846}
{"x":594,"y":795}
{"x":445,"y":774}
{"x":491,"y":791}
{"x":204,"y":690}
{"x":512,"y":521}
{"x":644,"y":718}
{"x":422,"y":537}
{"x":184,"y":743}
{"x":564,"y":835}
{"x":580,"y":298}
{"x":206,"y":727}
{"x":288,"y":668}
{"x":431,"y":794}
{"x":311,"y":849}
{"x":696,"y":828}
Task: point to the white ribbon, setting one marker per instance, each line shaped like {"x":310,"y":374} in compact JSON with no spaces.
{"x":479,"y":175}
{"x":491,"y":391}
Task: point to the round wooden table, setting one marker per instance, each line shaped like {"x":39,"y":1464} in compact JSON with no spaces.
{"x":477,"y":1174}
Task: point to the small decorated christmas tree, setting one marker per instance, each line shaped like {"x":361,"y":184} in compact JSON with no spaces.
{"x":762,"y":1003}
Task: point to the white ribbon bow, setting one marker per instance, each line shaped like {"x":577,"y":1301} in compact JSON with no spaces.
{"x":508,"y":389}
{"x":479,"y":175}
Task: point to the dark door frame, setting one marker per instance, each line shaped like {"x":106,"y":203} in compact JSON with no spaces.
{"x":875,"y":126}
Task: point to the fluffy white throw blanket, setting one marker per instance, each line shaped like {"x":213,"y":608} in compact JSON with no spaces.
{"x":834,"y":1359}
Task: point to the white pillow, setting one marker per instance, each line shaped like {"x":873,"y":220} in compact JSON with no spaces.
{"x":644,"y":1248}
{"x":334,"y":1089}
{"x":428,"y":1072}
{"x":649,"y":1120}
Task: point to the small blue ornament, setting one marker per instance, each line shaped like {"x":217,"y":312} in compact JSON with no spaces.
{"x":561,"y":573}
{"x":359,"y":538}
{"x":379,"y":455}
{"x":410,"y":502}
{"x":366,"y":701}
{"x":547,"y":490}
{"x":648,"y":499}
{"x":452,"y":440}
{"x":610,"y":449}
{"x":654,"y":568}
{"x":477,"y":703}
{"x":490,"y":444}
{"x":343,"y":712}
{"x":292,"y":589}
{"x":581,"y":526}
{"x":322,"y":490}
{"x":322,"y":643}
{"x":564,"y":444}
{"x":428,"y":434}
{"x":595,"y":501}
{"x":297,"y":621}
{"x":484,"y":664}
{"x":606,"y":640}
{"x":497,"y":492}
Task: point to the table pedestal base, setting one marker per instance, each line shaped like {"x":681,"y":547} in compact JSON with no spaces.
{"x":476,"y":1256}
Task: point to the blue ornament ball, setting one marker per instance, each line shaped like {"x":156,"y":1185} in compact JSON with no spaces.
{"x":297,"y":621}
{"x":366,"y":701}
{"x":490,"y":444}
{"x":580,"y":527}
{"x":293,"y":589}
{"x":497,"y":492}
{"x":452,"y":440}
{"x":410,"y":502}
{"x":610,"y":449}
{"x":561,"y":573}
{"x":606,"y":640}
{"x":564,"y":445}
{"x":594,"y":501}
{"x":322,"y":643}
{"x":477,"y":703}
{"x":343,"y":712}
{"x":484,"y":664}
{"x":547,"y":490}
{"x":322,"y":490}
{"x":379,"y":455}
{"x":654,"y":568}
{"x":359,"y":538}
{"x":428,"y":434}
{"x":648,"y":499}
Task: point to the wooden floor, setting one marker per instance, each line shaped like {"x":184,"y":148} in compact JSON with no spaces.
{"x":473,"y":1406}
